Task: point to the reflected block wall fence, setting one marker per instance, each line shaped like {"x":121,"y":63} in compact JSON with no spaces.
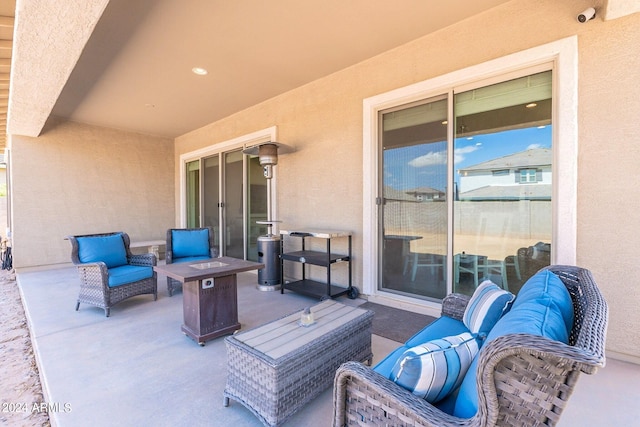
{"x":512,"y":224}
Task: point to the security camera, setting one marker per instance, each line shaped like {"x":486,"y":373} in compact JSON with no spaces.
{"x":587,"y":15}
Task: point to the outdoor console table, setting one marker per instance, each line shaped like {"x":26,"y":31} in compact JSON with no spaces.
{"x":325,"y":259}
{"x":153,"y":246}
{"x":209,"y":295}
{"x":277,"y":368}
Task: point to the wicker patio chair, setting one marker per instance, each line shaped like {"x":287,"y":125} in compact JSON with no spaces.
{"x":533,"y":258}
{"x":94,"y":276}
{"x":522,"y":380}
{"x":191,"y":249}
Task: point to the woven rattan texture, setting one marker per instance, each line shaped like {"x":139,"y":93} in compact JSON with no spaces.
{"x":275,"y":389}
{"x":94,"y":278}
{"x":522,"y":380}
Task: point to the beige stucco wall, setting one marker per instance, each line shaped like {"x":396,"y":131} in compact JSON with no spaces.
{"x":81,"y":179}
{"x":608,"y":194}
{"x":320,"y":185}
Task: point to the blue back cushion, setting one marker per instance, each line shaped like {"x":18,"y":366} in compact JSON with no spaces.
{"x":108,"y":249}
{"x":190,"y":243}
{"x":547,"y":283}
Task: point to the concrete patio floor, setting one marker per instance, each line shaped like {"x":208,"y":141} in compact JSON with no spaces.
{"x":136,"y":368}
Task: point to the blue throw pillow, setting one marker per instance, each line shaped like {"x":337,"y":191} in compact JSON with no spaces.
{"x":441,"y":327}
{"x":436,"y":368}
{"x":190,"y":243}
{"x":486,"y":306}
{"x":108,"y":249}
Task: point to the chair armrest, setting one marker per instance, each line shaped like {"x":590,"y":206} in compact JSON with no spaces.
{"x":542,"y":348}
{"x":523,"y":375}
{"x":360,"y":395}
{"x":93,"y":274}
{"x":143,"y":260}
{"x":453,"y":305}
{"x":92,"y":266}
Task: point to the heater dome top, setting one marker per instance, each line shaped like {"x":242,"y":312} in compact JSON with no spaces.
{"x":280,"y":148}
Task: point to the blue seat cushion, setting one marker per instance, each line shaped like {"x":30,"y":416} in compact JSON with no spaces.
{"x":434,"y":369}
{"x":108,"y":249}
{"x":466,"y":404}
{"x":190,"y":259}
{"x":187,"y":243}
{"x":441,"y":327}
{"x":539,"y":316}
{"x":385,"y":366}
{"x":128,"y":274}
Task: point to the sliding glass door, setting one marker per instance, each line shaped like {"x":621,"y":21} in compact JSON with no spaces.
{"x":233,"y":206}
{"x":503,"y":171}
{"x":193,"y":193}
{"x":228,"y":192}
{"x":414,"y":195}
{"x":465,"y":188}
{"x":211,"y":196}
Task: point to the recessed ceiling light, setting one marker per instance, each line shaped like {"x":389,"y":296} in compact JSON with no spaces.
{"x":199,"y":71}
{"x":445,"y":122}
{"x":533,"y":104}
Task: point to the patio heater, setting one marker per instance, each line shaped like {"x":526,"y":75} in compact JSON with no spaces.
{"x":269,"y":244}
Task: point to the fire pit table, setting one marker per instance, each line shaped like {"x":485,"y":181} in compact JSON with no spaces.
{"x":277,"y":368}
{"x":210,"y":295}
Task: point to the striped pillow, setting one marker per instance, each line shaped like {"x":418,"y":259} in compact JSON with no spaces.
{"x":436,"y":368}
{"x":486,"y":306}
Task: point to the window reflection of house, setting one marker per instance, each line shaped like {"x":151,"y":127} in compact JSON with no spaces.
{"x":520,"y":176}
{"x":426,"y":194}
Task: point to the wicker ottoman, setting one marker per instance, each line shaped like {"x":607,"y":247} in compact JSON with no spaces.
{"x":277,"y":368}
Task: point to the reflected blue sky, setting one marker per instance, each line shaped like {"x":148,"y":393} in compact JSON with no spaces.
{"x":425,"y":165}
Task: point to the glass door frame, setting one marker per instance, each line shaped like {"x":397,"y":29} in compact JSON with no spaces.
{"x":264,"y":135}
{"x":381,"y":201}
{"x":563,"y":57}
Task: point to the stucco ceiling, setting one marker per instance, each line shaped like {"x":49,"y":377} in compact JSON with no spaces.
{"x":134,"y":72}
{"x":127,"y":64}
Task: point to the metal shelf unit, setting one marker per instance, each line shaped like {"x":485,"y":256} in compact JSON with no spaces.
{"x":325,"y":259}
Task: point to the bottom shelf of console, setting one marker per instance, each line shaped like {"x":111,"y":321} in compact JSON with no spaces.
{"x":316,"y":289}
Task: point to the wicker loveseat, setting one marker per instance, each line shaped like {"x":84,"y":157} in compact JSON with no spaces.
{"x":109,"y":272}
{"x":518,"y":379}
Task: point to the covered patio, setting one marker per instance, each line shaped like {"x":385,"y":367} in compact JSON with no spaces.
{"x":137,"y":368}
{"x":87,"y":150}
